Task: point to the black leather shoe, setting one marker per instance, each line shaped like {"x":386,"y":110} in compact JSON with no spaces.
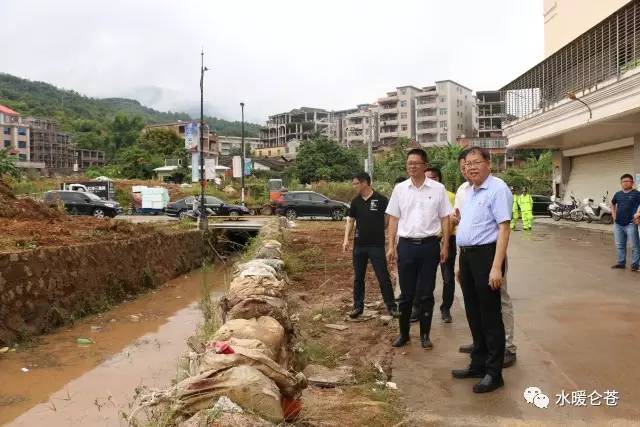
{"x":509,"y":359}
{"x":446,"y":315}
{"x":488,"y":384}
{"x":400,"y":341}
{"x":621,"y":266}
{"x":467,"y":373}
{"x":467,"y":348}
{"x":355,"y":313}
{"x":425,"y":342}
{"x":393,"y":312}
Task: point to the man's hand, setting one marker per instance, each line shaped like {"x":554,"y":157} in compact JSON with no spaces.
{"x":392,"y":255}
{"x":444,"y":253}
{"x":495,"y":278}
{"x":345,"y":246}
{"x":455,"y":217}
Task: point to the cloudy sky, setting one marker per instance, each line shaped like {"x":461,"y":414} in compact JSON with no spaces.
{"x":272,"y":54}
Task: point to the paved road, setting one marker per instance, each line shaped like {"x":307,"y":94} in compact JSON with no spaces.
{"x":577,"y":328}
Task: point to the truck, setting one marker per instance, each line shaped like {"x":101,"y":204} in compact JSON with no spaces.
{"x":104,"y":189}
{"x":149,"y":200}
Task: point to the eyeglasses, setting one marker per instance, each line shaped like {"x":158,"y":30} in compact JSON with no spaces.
{"x":410,"y":164}
{"x":477,"y":163}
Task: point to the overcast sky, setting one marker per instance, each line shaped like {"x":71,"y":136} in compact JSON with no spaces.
{"x":274,"y":55}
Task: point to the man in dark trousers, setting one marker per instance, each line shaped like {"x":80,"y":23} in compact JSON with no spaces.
{"x":368,"y":212}
{"x":624,"y":205}
{"x":418,"y":212}
{"x":483,"y":237}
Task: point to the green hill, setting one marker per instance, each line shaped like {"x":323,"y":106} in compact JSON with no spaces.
{"x":77,"y":113}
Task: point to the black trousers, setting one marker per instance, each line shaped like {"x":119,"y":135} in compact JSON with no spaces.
{"x":417,"y":267}
{"x":449,"y":275}
{"x":483,"y":309}
{"x":361,"y":256}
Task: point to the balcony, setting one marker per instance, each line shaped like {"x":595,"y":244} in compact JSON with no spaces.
{"x":423,"y":105}
{"x":426,"y":118}
{"x":388,"y":99}
{"x":389,"y":122}
{"x":424,"y":131}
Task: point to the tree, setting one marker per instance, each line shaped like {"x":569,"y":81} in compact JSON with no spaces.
{"x":535,"y":174}
{"x":8,"y":165}
{"x":135,"y":162}
{"x":124,"y":132}
{"x":392,"y":165}
{"x":323,"y":159}
{"x":446,"y":159}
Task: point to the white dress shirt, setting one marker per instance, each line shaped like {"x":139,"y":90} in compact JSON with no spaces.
{"x":461,"y":195}
{"x":419,"y":209}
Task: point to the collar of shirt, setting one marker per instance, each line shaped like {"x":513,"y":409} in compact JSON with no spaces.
{"x":426,"y":183}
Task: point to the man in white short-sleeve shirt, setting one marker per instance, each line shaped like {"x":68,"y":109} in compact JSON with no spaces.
{"x":418,"y":212}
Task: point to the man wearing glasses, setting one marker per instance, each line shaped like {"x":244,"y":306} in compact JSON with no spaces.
{"x":624,"y":204}
{"x":483,"y":237}
{"x":418,"y":212}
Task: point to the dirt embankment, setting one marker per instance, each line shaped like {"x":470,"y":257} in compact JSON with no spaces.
{"x":321,"y":293}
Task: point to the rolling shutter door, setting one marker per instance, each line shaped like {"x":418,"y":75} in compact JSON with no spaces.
{"x":594,"y":174}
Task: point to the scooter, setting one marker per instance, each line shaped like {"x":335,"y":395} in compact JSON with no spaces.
{"x":601,"y":213}
{"x":564,"y":210}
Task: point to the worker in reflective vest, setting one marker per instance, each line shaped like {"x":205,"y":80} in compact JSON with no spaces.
{"x":514,"y":209}
{"x":526,"y":208}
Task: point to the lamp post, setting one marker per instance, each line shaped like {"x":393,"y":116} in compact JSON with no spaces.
{"x":572,"y":96}
{"x":204,"y":222}
{"x":242,"y":157}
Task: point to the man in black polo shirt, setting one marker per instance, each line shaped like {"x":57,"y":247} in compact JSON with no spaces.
{"x":368,"y":211}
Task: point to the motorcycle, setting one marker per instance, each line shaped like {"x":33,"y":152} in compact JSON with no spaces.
{"x":601,"y":213}
{"x":194,"y":214}
{"x":564,"y":210}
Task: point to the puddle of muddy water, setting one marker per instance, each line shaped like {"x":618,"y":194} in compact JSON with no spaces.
{"x":136,"y":343}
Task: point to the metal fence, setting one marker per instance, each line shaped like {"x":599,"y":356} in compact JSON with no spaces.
{"x":604,"y":52}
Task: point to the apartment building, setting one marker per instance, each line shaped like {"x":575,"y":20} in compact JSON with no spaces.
{"x":38,"y":144}
{"x":229,"y":144}
{"x":443,"y":113}
{"x":15,"y":134}
{"x":301,"y":123}
{"x":361,"y":125}
{"x":583,"y":99}
{"x":396,"y":114}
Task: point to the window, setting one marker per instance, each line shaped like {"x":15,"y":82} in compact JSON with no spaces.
{"x":403,"y":115}
{"x":317,"y":197}
{"x":209,"y":200}
{"x":443,"y":137}
{"x":7,"y":131}
{"x":443,"y":124}
{"x":22,"y":157}
{"x":443,"y":99}
{"x":403,"y":103}
{"x":443,"y":111}
{"x":403,"y":91}
{"x":22,"y":131}
{"x":7,"y":143}
{"x":22,"y":144}
{"x":403,"y":127}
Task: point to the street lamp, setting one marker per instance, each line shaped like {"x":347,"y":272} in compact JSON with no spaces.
{"x":572,"y":96}
{"x":204,"y":222}
{"x":242,"y":157}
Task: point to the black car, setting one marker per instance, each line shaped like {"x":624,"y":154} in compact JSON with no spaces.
{"x":83,"y":203}
{"x":309,"y":203}
{"x":180,"y":207}
{"x":541,"y":205}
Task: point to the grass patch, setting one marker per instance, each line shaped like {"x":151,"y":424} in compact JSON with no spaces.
{"x":316,"y":353}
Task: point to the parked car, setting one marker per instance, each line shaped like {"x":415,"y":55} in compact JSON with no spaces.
{"x":541,"y":205}
{"x":181,"y":208}
{"x":294,"y":204}
{"x":82,"y":203}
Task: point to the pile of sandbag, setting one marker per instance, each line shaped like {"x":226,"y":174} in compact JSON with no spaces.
{"x":245,"y":361}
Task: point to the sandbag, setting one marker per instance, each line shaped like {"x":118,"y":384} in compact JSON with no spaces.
{"x":255,"y":263}
{"x":271,"y":251}
{"x":244,"y":287}
{"x":226,"y":419}
{"x":290,"y":385}
{"x":244,"y":385}
{"x":266,"y":329}
{"x":277,"y":264}
{"x":269,"y":243}
{"x":258,"y":306}
{"x":256,"y":270}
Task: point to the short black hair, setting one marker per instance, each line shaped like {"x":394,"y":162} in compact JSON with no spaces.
{"x":400,"y":179}
{"x":362,"y":177}
{"x":482,"y":151}
{"x":626,"y":175}
{"x":418,"y":152}
{"x":463,"y":154}
{"x":437,"y":172}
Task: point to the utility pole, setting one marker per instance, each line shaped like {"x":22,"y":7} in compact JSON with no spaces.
{"x":242,"y":157}
{"x":373,"y":125}
{"x":204,"y":222}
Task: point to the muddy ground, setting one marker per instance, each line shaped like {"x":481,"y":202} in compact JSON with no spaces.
{"x":321,"y":293}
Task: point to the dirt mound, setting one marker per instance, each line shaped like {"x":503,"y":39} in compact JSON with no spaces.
{"x":12,"y":207}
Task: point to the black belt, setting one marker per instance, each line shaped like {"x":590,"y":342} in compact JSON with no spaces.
{"x":465,"y":249}
{"x":419,"y":240}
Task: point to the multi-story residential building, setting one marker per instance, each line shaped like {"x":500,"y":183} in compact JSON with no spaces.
{"x":300,"y":124}
{"x":15,"y":134}
{"x":583,"y":99}
{"x":210,"y":140}
{"x":229,"y":144}
{"x":396,"y":114}
{"x":443,"y":113}
{"x":38,"y":144}
{"x":338,"y":130}
{"x":361,"y":125}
